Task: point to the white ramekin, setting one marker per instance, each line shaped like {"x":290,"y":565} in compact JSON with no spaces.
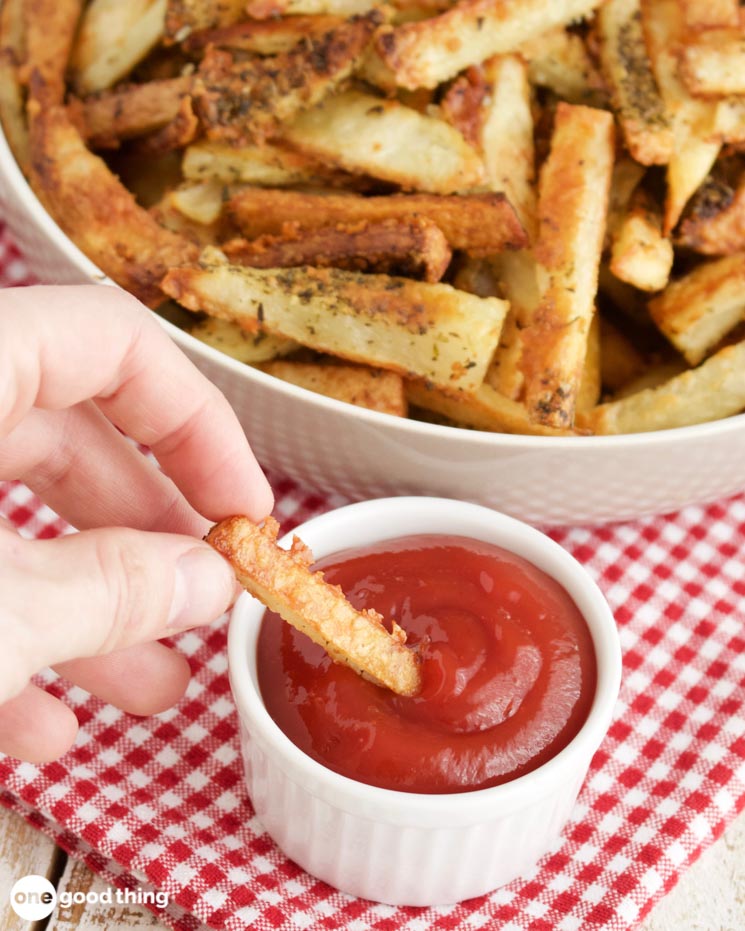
{"x":399,"y":847}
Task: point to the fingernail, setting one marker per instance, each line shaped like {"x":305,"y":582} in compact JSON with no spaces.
{"x":203,"y":588}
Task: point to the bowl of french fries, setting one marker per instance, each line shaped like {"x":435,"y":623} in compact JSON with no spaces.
{"x":485,"y":249}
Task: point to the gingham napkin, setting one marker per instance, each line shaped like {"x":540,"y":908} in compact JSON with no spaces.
{"x":160,"y":803}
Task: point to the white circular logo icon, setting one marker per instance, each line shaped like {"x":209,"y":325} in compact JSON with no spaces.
{"x":33,"y":898}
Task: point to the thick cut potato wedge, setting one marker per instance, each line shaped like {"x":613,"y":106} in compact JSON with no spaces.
{"x":282,"y":580}
{"x":375,"y":389}
{"x":640,"y":255}
{"x":425,"y":53}
{"x":428,"y":330}
{"x":242,"y":100}
{"x":645,"y":121}
{"x":714,"y":390}
{"x":480,"y":224}
{"x":572,"y":205}
{"x":697,"y":311}
{"x":97,"y":211}
{"x":264,"y":165}
{"x":112,"y":38}
{"x":713,"y":65}
{"x":251,"y":348}
{"x":382,"y":138}
{"x":414,"y":248}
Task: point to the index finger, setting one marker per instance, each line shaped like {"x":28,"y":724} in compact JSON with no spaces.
{"x":63,"y":345}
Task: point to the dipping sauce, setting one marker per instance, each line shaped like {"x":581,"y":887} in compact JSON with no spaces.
{"x":508,"y":669}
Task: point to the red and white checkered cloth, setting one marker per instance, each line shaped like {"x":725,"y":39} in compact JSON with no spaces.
{"x":160,"y":803}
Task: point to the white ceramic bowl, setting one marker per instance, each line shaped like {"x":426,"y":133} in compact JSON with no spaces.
{"x":402,"y":847}
{"x":335,"y":447}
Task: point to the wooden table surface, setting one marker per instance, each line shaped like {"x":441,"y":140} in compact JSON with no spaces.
{"x":710,"y":897}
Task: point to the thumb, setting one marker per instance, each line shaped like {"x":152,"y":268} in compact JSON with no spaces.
{"x":98,"y":591}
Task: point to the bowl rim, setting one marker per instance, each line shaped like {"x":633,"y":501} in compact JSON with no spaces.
{"x":347,"y":793}
{"x":36,"y":212}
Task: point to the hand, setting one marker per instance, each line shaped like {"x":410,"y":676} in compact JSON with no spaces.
{"x":77,"y":363}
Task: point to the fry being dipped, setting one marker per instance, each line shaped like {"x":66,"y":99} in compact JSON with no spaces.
{"x":282,"y":581}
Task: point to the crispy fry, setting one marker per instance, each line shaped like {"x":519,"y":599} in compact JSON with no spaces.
{"x":369,"y":135}
{"x":713,"y":65}
{"x":640,"y":254}
{"x":697,"y":142}
{"x":506,"y":136}
{"x":281,"y":579}
{"x":559,"y":60}
{"x":92,"y":206}
{"x":243,"y":100}
{"x":422,"y":54}
{"x":710,"y":14}
{"x":265,"y":9}
{"x":480,"y":224}
{"x":716,"y":222}
{"x":697,"y":311}
{"x":251,"y":348}
{"x":50,"y":30}
{"x":12,"y":91}
{"x":573,"y":198}
{"x":482,"y":409}
{"x":182,"y":17}
{"x":176,"y":134}
{"x":714,"y":390}
{"x":588,"y":393}
{"x":375,"y":389}
{"x":413,"y":247}
{"x":429,"y":330}
{"x":105,"y":119}
{"x":264,"y":37}
{"x":267,"y":165}
{"x":645,"y":121}
{"x":113,"y":37}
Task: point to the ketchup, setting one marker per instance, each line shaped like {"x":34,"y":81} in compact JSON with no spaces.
{"x":508,"y":669}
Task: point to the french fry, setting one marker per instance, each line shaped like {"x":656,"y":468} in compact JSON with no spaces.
{"x":50,"y":30}
{"x":12,"y":91}
{"x":92,"y":206}
{"x":482,"y":409}
{"x":697,"y":142}
{"x":267,"y":165}
{"x":697,"y":311}
{"x":627,"y":174}
{"x":714,"y":390}
{"x":644,"y":120}
{"x":265,"y":9}
{"x":716,"y":224}
{"x":369,"y":135}
{"x":559,"y":60}
{"x":428,"y":330}
{"x":506,"y":136}
{"x":413,"y":247}
{"x":710,"y":14}
{"x":176,"y":134}
{"x":262,"y":37}
{"x":480,"y":224}
{"x":374,"y":389}
{"x":423,"y":54}
{"x":282,"y":580}
{"x":640,"y":254}
{"x":242,"y":101}
{"x":588,"y":393}
{"x":182,"y":17}
{"x":112,"y":38}
{"x":652,"y":375}
{"x":251,"y":348}
{"x":105,"y":119}
{"x":713,"y":64}
{"x":573,"y":198}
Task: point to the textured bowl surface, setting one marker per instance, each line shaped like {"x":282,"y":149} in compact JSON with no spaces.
{"x":402,"y":847}
{"x":331,"y":446}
